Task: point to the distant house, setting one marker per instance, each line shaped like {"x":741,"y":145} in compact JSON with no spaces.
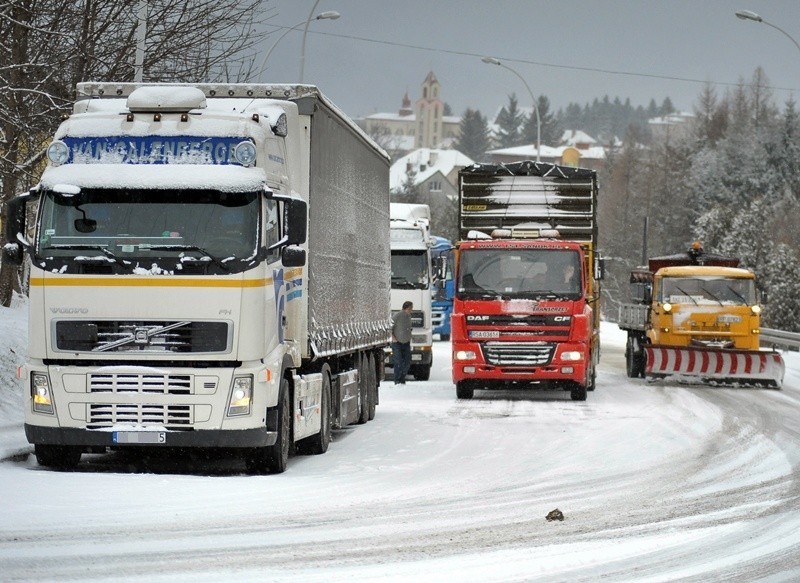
{"x":434,"y":171}
{"x":423,"y":126}
{"x":576,"y":149}
{"x":673,"y":126}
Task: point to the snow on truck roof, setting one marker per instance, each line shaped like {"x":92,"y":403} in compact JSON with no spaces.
{"x":226,"y":178}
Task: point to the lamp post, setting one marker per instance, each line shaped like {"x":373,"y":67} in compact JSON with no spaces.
{"x":329,"y":15}
{"x":493,"y":61}
{"x":749,"y":15}
{"x":305,"y":32}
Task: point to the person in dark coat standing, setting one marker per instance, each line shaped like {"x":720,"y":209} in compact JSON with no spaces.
{"x":401,"y":343}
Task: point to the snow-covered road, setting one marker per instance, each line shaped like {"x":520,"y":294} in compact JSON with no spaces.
{"x":656,"y":482}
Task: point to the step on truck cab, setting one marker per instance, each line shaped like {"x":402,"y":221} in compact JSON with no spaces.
{"x":193,"y":283}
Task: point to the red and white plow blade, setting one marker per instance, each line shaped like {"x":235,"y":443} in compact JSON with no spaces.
{"x":724,"y":366}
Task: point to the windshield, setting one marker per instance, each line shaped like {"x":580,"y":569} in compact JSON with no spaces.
{"x":410,"y":270}
{"x":521,"y":273}
{"x":708,"y":291}
{"x":108,"y":230}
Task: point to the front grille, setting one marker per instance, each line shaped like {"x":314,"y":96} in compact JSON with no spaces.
{"x":141,"y":336}
{"x":437,"y":318}
{"x":518,"y":353}
{"x":140,"y":383}
{"x":103,"y":416}
{"x":518,"y":320}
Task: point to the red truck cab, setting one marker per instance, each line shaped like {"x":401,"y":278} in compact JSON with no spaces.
{"x":521,"y":316}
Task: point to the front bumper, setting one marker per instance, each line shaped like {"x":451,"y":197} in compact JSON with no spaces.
{"x":556,"y":368}
{"x":246,"y":438}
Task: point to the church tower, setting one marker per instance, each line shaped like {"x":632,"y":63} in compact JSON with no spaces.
{"x":429,"y":114}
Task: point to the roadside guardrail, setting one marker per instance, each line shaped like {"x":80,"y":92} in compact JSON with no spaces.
{"x":771,"y":338}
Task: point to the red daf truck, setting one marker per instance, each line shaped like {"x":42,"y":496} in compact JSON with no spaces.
{"x":526,"y":310}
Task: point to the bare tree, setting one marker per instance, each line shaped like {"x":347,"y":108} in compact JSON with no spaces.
{"x":47,"y":46}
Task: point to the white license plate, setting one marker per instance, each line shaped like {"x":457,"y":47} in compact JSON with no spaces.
{"x":416,"y":357}
{"x":484,"y":334}
{"x":139,"y":437}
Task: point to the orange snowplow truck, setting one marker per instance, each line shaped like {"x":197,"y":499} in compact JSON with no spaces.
{"x":695,"y":316}
{"x":526,"y":307}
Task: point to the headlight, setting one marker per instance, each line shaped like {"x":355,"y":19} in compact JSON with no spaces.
{"x":57,"y":153}
{"x":571,"y":356}
{"x":667,"y":307}
{"x":245,"y":153}
{"x":756,"y":310}
{"x":465,"y":355}
{"x":241,"y":396}
{"x":41,"y":394}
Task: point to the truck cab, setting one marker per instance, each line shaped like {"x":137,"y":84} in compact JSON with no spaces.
{"x":412,"y":280}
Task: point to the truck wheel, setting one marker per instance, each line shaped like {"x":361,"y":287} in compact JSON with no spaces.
{"x":634,"y":359}
{"x":592,"y":381}
{"x":60,"y":457}
{"x":464,"y":390}
{"x":372,"y":376}
{"x":363,"y":389}
{"x":275,"y":458}
{"x":578,"y":392}
{"x":318,"y":444}
{"x":422,"y":372}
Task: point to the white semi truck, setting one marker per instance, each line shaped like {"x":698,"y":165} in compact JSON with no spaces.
{"x":411,"y":280}
{"x":210,"y":268}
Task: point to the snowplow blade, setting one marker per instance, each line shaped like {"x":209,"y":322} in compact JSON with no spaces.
{"x":708,"y":365}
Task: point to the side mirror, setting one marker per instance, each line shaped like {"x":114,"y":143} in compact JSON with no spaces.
{"x":293,"y":256}
{"x":15,"y":229}
{"x":295,"y":221}
{"x":599,"y":268}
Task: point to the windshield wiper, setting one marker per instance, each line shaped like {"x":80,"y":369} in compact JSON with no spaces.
{"x":399,"y":280}
{"x":713,"y":297}
{"x":104,"y":250}
{"x":687,"y":295}
{"x":737,"y":294}
{"x":214,"y":260}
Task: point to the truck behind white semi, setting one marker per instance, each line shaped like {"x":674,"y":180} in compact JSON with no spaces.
{"x":210,"y":268}
{"x":411,"y":280}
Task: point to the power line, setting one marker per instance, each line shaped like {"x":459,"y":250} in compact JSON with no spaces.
{"x":538,"y":63}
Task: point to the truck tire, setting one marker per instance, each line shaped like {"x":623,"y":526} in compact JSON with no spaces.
{"x":274,"y":458}
{"x":372,"y":376}
{"x":464,"y":390}
{"x":318,"y":444}
{"x":577,"y":392}
{"x":363,"y":389}
{"x":59,"y":457}
{"x":422,"y":372}
{"x":634,"y":359}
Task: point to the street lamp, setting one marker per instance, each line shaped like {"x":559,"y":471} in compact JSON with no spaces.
{"x":329,"y":15}
{"x":493,"y":61}
{"x":305,"y":32}
{"x":749,"y":15}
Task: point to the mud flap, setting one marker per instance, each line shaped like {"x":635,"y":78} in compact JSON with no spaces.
{"x":745,"y":367}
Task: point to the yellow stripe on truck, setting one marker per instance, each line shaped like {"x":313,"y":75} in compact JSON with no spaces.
{"x":146,"y":282}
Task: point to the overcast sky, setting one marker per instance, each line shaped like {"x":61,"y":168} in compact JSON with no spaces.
{"x":569,"y":50}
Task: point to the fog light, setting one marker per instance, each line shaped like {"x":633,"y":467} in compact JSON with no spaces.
{"x":567,"y":370}
{"x":571,"y":355}
{"x":40,"y":392}
{"x":465,"y":355}
{"x":241,"y":396}
{"x":469,"y":369}
{"x":756,"y":310}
